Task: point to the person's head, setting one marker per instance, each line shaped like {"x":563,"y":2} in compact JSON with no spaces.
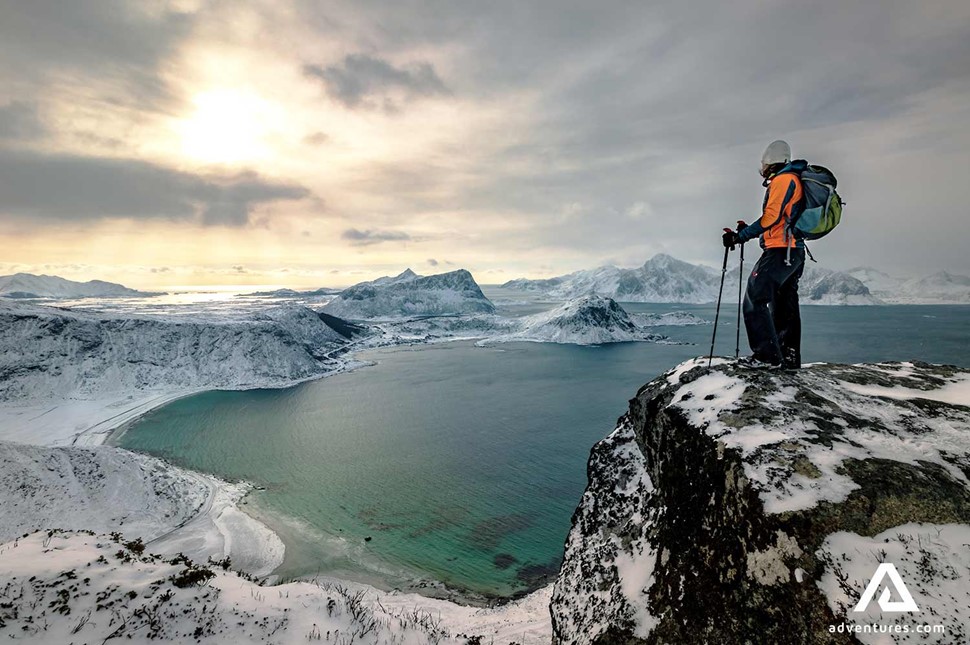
{"x":776,"y":156}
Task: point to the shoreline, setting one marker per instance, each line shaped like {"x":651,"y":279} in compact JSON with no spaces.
{"x":225,"y":517}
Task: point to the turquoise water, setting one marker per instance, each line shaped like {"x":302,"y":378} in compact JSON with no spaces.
{"x":462,"y":464}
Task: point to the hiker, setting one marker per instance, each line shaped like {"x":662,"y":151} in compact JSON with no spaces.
{"x":771,"y":315}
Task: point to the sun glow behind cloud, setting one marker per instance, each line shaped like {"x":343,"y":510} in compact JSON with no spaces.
{"x":229,"y":126}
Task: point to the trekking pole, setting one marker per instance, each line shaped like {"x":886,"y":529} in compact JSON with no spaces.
{"x":717,"y":314}
{"x":737,"y":340}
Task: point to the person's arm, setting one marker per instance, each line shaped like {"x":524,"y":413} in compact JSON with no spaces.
{"x":781,"y":190}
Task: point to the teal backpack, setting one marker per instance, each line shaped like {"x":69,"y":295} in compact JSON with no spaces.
{"x":821,"y":205}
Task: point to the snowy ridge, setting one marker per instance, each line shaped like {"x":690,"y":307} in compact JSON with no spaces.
{"x":27,"y":285}
{"x":55,"y":353}
{"x":589,"y":320}
{"x":662,"y":278}
{"x":666,"y":279}
{"x":408,"y":295}
{"x":821,"y":286}
{"x":757,"y":495}
{"x":940,"y":288}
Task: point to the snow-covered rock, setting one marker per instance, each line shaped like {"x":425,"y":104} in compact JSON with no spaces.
{"x":747,"y":506}
{"x":293,"y":293}
{"x":75,"y":587}
{"x":878,"y":282}
{"x":670,"y":319}
{"x":27,"y":285}
{"x":589,"y":320}
{"x":940,"y":288}
{"x":409,"y":294}
{"x":662,"y":278}
{"x":666,"y":279}
{"x":103,"y":489}
{"x":821,"y":286}
{"x":47,"y":352}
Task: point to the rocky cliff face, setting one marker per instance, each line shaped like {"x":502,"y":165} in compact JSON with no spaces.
{"x":739,"y":506}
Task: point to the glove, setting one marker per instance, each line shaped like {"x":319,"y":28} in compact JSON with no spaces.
{"x":730,"y":239}
{"x":741,"y":226}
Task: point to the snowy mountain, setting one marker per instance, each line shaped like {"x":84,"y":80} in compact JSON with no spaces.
{"x":940,"y":288}
{"x":877,"y":281}
{"x":821,"y":286}
{"x":589,"y":320}
{"x":293,"y":293}
{"x":666,"y":279}
{"x":730,"y":502}
{"x":937,"y":289}
{"x":409,"y":294}
{"x":661,"y":279}
{"x":50,"y":352}
{"x":27,"y":285}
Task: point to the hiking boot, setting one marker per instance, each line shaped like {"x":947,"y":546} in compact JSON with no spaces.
{"x":791,"y":360}
{"x":757,"y":364}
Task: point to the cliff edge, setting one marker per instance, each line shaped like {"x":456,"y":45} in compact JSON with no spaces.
{"x":741,"y":506}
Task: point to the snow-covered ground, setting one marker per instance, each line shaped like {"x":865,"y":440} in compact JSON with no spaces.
{"x":70,"y":378}
{"x":60,"y":587}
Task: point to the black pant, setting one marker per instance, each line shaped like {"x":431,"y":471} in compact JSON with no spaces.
{"x":771,"y":307}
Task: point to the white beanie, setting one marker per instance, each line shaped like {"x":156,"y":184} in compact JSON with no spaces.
{"x":777,"y":152}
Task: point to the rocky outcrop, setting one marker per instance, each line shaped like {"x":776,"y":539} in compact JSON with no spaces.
{"x":409,"y":295}
{"x":589,"y":320}
{"x":740,"y":506}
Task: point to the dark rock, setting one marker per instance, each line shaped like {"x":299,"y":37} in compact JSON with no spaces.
{"x":716,"y":510}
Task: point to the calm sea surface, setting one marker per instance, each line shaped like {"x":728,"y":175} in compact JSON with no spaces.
{"x":459,"y":464}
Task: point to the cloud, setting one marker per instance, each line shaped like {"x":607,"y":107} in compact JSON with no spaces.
{"x":358,"y":237}
{"x":316,"y":139}
{"x":364,"y":81}
{"x":111,"y":43}
{"x":68,"y":187}
{"x":433,"y":262}
{"x":19,"y":121}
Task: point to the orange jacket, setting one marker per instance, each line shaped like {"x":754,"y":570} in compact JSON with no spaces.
{"x":784,"y":194}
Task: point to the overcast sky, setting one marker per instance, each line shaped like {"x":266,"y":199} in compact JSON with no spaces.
{"x":308,"y":142}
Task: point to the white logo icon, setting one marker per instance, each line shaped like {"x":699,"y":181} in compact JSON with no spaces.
{"x":906,"y":602}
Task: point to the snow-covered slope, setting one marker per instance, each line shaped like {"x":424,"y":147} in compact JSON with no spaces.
{"x":589,"y":320}
{"x":27,"y":285}
{"x":878,"y":282}
{"x":73,"y":587}
{"x":104,"y":490}
{"x":662,"y":278}
{"x":821,"y":286}
{"x":292,"y":293}
{"x":732,"y":502}
{"x":408,"y":294}
{"x":47,"y":352}
{"x":666,"y":279}
{"x":940,"y":288}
